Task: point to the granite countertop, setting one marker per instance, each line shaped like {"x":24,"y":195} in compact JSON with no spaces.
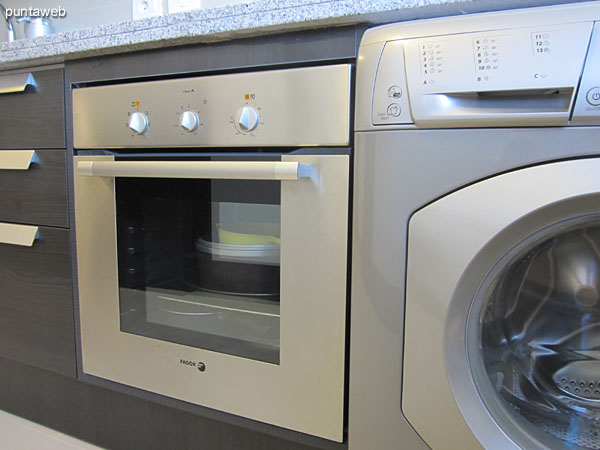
{"x":235,"y":21}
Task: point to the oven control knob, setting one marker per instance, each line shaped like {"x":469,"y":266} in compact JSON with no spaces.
{"x":189,"y":121}
{"x":138,"y":122}
{"x":247,"y":118}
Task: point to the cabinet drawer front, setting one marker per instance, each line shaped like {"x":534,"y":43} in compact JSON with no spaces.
{"x":37,"y":195}
{"x":34,"y":117}
{"x":36,"y":308}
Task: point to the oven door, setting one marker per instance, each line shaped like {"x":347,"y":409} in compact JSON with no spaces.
{"x":221,"y":283}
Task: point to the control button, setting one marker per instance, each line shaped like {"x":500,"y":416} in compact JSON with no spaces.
{"x":189,"y":121}
{"x":247,"y":118}
{"x":138,"y":123}
{"x":394,"y":110}
{"x":395,"y":91}
{"x":593,"y":96}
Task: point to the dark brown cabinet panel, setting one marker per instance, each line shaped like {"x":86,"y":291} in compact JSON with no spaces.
{"x":35,"y":118}
{"x":36,"y":196}
{"x":36,"y":308}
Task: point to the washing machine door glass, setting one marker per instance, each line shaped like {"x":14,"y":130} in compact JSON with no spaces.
{"x":537,"y":334}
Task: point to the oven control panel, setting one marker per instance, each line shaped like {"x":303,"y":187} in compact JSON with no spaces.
{"x":290,"y":107}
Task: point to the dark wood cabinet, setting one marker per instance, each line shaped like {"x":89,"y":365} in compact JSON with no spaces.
{"x":38,"y":195}
{"x":117,"y":421}
{"x":35,"y":118}
{"x":36,"y":298}
{"x":36,"y":310}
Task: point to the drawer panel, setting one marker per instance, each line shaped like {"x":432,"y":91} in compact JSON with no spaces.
{"x":38,"y":195}
{"x":35,"y":117}
{"x":36,"y":307}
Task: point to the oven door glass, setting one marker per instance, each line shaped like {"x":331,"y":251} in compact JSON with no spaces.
{"x":199,"y":263}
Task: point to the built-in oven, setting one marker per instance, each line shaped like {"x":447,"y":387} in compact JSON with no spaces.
{"x":212,"y":236}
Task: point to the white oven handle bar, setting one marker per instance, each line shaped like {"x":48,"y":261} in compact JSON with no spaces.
{"x":232,"y":170}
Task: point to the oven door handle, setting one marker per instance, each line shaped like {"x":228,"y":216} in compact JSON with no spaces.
{"x":230,"y":170}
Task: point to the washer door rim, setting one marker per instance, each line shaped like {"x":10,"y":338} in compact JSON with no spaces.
{"x":444,"y":237}
{"x":461,"y":331}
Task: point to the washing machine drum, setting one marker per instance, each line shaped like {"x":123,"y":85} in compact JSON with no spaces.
{"x":538,"y":336}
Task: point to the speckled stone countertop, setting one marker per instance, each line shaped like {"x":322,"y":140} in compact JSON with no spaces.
{"x":235,"y":21}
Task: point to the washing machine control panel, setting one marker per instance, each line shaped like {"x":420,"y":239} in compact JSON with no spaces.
{"x":390,"y":100}
{"x":498,"y":61}
{"x":505,"y":76}
{"x":497,"y":77}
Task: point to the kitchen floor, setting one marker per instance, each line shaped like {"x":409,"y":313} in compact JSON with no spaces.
{"x":20,"y":434}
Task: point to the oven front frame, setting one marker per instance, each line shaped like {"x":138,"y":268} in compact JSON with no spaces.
{"x":305,"y":392}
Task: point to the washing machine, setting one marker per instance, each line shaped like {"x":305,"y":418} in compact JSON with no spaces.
{"x":475,"y":311}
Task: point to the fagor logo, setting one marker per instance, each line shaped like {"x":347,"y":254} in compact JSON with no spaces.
{"x":35,"y":12}
{"x":199,"y":365}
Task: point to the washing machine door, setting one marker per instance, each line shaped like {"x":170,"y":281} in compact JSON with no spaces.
{"x":502,"y":343}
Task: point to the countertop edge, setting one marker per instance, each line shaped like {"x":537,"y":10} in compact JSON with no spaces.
{"x":58,"y":48}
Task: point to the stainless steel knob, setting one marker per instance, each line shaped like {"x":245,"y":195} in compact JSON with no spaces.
{"x":247,"y":118}
{"x":189,"y":121}
{"x":138,"y":122}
